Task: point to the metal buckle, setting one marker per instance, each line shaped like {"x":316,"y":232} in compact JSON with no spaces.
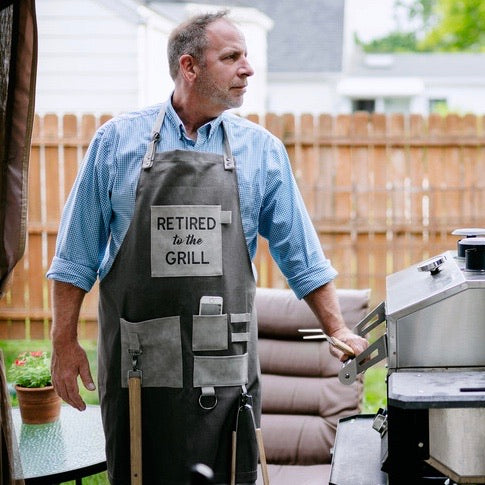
{"x":135,"y":353}
{"x":150,"y":154}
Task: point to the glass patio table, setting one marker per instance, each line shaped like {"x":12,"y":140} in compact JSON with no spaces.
{"x":68,"y":449}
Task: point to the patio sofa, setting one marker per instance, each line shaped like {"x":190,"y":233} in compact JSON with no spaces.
{"x":302,"y":396}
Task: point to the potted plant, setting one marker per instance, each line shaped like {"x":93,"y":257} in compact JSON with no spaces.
{"x":38,"y":401}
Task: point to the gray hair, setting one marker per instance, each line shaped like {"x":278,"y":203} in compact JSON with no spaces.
{"x":190,"y":38}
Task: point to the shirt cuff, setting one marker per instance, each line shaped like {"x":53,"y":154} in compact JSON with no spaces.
{"x":73,"y":273}
{"x":311,"y":279}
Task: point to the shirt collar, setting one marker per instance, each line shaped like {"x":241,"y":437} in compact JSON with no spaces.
{"x":206,"y":131}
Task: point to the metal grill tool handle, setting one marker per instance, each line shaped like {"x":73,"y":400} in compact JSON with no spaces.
{"x":363,"y":361}
{"x":372,"y":320}
{"x":376,"y":352}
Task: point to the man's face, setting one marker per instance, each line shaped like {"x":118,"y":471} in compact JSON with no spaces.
{"x":222,"y":79}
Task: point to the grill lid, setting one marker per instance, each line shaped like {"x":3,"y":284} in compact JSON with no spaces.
{"x":417,"y":286}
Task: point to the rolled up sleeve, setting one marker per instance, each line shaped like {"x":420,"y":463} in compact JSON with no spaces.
{"x":285,"y":222}
{"x":84,"y":228}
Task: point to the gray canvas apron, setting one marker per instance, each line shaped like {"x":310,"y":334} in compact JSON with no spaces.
{"x":185,"y":241}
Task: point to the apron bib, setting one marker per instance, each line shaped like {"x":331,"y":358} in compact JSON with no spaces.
{"x":185,"y":241}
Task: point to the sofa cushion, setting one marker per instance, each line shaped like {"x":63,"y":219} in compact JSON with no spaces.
{"x":309,"y":358}
{"x":300,"y":416}
{"x":281,"y":314}
{"x":327,"y":398}
{"x":297,"y":439}
{"x":302,"y":398}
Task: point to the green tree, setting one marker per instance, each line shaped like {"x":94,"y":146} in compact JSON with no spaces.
{"x":434,"y":25}
{"x":393,"y":42}
{"x":460,"y":27}
{"x":417,"y":16}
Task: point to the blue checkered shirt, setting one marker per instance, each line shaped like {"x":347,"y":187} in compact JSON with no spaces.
{"x":101,"y":204}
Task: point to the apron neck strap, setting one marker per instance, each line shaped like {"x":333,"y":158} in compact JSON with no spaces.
{"x":228,"y":158}
{"x":155,"y":137}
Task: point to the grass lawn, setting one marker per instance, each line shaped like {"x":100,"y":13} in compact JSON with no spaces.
{"x":374,"y":383}
{"x":374,"y":390}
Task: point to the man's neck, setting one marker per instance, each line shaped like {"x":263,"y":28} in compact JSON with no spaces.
{"x":192,"y":113}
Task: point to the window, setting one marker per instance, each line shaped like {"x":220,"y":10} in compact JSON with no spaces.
{"x":363,"y":105}
{"x":438,"y":105}
{"x":396,"y":105}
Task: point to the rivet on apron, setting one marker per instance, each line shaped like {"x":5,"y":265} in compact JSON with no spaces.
{"x":228,"y":163}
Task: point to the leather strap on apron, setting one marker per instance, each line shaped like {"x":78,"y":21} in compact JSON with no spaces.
{"x":185,"y":241}
{"x":246,"y":431}
{"x":155,"y":138}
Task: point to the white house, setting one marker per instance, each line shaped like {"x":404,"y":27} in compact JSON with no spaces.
{"x":414,"y":83}
{"x":314,"y":65}
{"x":109,"y":56}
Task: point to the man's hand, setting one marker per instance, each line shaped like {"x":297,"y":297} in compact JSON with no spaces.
{"x":345,"y":335}
{"x":68,"y":358}
{"x":324,"y":303}
{"x":68,"y":363}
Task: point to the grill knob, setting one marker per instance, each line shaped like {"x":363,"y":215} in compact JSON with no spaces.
{"x":474,"y":249}
{"x":468,"y":232}
{"x":432,"y":265}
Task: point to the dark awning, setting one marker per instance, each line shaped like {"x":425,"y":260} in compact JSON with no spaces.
{"x":18,"y":66}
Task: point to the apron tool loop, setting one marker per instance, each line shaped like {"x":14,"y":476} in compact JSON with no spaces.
{"x":245,"y":416}
{"x":208,"y":398}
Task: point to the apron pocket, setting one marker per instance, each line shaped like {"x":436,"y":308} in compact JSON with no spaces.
{"x":231,"y":370}
{"x":209,"y":332}
{"x":161,"y":358}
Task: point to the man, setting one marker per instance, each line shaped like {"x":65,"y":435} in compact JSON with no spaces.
{"x":166,"y":210}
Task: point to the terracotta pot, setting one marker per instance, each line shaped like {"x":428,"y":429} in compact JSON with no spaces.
{"x":38,"y":405}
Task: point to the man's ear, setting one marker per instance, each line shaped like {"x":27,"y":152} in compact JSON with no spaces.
{"x":188,"y":67}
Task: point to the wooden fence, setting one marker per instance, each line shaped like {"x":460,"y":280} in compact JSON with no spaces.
{"x":383,"y":192}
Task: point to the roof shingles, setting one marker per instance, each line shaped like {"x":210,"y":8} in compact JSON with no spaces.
{"x":307,"y":35}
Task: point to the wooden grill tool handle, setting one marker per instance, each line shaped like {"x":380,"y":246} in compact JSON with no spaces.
{"x":134,"y":387}
{"x":262,"y":456}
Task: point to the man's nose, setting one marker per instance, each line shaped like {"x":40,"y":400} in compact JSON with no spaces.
{"x":246,"y":68}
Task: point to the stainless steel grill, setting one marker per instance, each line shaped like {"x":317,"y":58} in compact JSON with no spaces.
{"x":433,"y":430}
